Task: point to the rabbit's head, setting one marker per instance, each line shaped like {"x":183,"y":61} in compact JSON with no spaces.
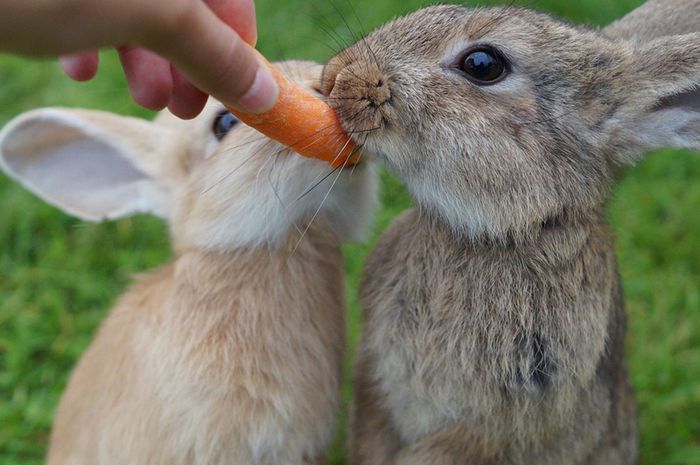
{"x":500,"y":120}
{"x":219,"y":183}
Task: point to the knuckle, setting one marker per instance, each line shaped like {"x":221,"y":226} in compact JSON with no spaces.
{"x":235,"y":74}
{"x":241,"y":66}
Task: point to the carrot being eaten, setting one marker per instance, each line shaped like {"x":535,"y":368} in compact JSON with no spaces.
{"x":304,"y":123}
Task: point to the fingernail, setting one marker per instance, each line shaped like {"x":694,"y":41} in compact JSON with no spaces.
{"x":262,"y":94}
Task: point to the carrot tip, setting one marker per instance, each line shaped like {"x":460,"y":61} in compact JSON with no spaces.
{"x":304,"y":123}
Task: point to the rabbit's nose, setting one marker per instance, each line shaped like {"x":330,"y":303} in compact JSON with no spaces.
{"x":359,"y":92}
{"x":378,"y":92}
{"x":358,"y":83}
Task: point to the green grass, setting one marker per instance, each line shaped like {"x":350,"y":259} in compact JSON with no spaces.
{"x":58,"y":275}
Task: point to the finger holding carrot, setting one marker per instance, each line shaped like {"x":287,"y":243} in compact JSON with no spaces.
{"x":177,"y":47}
{"x":304,"y":123}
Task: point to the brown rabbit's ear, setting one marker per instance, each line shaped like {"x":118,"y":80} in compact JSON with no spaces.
{"x":90,"y":164}
{"x":663,"y":104}
{"x":657,"y":18}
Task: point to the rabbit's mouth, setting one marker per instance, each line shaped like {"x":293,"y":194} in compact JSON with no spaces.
{"x":361,"y":98}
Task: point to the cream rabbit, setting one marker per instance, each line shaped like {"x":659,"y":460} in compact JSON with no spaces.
{"x":494,"y":322}
{"x":231,"y":353}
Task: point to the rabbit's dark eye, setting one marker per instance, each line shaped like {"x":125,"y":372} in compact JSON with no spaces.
{"x":223,"y":123}
{"x":483,"y":66}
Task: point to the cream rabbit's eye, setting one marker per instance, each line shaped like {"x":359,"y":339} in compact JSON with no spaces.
{"x":483,"y":66}
{"x":223,"y":124}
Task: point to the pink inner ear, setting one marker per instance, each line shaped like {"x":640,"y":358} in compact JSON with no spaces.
{"x":83,"y":175}
{"x":688,"y":100}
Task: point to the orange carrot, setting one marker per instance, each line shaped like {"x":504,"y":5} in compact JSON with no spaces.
{"x":304,"y":123}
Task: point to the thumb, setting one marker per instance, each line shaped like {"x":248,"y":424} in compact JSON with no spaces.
{"x":213,"y":56}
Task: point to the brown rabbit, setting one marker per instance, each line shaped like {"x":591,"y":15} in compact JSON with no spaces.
{"x":231,"y":354}
{"x":494,"y":321}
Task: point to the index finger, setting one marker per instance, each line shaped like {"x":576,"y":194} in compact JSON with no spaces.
{"x":239,"y":14}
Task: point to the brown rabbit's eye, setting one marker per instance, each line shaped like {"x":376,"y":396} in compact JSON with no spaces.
{"x":483,"y":66}
{"x":223,"y":124}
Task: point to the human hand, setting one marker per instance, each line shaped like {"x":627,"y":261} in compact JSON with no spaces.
{"x":169,"y":49}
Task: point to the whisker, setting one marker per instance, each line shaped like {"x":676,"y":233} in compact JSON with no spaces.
{"x":225,"y":177}
{"x":334,"y":36}
{"x":333,"y":50}
{"x":333,"y":161}
{"x":298,"y":229}
{"x":345,"y":146}
{"x":343,"y":19}
{"x":275,"y":188}
{"x":363,"y":131}
{"x":363,"y":32}
{"x":318,"y":210}
{"x":341,"y":98}
{"x":359,"y":159}
{"x":315,"y":185}
{"x":265,"y":147}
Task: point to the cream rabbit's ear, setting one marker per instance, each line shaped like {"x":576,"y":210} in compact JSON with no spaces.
{"x":90,"y":164}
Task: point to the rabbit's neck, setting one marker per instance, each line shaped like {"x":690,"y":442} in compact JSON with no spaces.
{"x":555,"y":240}
{"x":309,"y":262}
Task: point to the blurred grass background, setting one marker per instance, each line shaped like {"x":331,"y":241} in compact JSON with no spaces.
{"x":58,"y":275}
